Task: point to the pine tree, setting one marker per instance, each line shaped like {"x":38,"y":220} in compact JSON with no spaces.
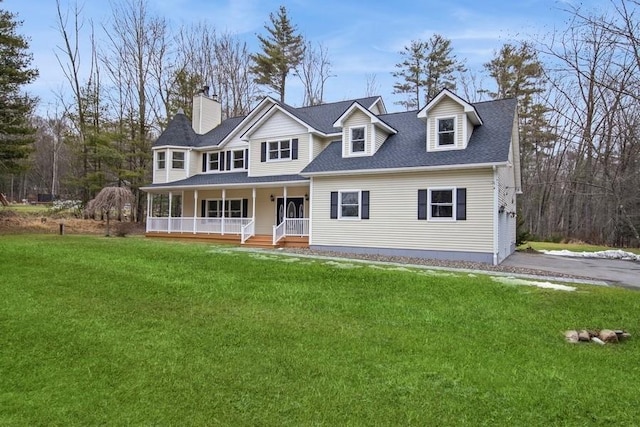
{"x":16,"y":133}
{"x":282,"y":51}
{"x":428,"y":67}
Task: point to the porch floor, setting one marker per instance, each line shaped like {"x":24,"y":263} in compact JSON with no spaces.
{"x":257,"y":241}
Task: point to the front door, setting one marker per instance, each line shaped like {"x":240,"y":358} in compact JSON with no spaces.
{"x":294,"y":208}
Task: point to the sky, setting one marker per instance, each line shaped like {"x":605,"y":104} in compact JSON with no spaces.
{"x":363,"y":38}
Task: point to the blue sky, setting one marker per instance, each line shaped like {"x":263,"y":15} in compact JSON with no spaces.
{"x":362,"y":37}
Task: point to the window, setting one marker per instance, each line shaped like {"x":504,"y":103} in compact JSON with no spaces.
{"x":238,"y":159}
{"x":357,"y":140}
{"x":441,"y":203}
{"x":161,"y":159}
{"x":350,"y":204}
{"x":279,"y":150}
{"x":214,"y":161}
{"x":234,"y":208}
{"x":177,"y":160}
{"x":446,"y":131}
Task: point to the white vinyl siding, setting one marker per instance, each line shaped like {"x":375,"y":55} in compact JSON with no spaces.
{"x":393,"y":208}
{"x":356,"y":119}
{"x":380,"y":138}
{"x":446,"y":108}
{"x":195,"y":162}
{"x":278,"y":127}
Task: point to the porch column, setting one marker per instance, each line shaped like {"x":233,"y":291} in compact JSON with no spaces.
{"x":149,"y":205}
{"x":195,"y":210}
{"x":253,"y":194}
{"x":224,"y":196}
{"x":169,"y":219}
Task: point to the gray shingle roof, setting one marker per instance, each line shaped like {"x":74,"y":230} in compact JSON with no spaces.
{"x":230,"y":178}
{"x":178,"y":132}
{"x":489,"y":143}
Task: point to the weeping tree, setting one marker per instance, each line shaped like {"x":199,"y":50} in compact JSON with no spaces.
{"x":108,"y":200}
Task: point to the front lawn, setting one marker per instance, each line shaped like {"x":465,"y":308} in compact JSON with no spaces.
{"x":134,"y":331}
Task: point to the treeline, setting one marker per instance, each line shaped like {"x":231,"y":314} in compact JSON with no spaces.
{"x":577,"y":88}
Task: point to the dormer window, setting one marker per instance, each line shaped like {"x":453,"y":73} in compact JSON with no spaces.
{"x":357,"y":139}
{"x":446,"y":131}
{"x":177,"y":160}
{"x":161,"y":159}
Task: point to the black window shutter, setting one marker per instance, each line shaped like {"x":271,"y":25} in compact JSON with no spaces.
{"x":221,"y":160}
{"x":461,"y":204}
{"x":203,"y":208}
{"x":263,"y":152}
{"x":246,"y":158}
{"x":422,"y":204}
{"x":245,"y":207}
{"x":229,"y":155}
{"x":334,"y":205}
{"x":294,"y":149}
{"x":204,"y":162}
{"x":365,"y":205}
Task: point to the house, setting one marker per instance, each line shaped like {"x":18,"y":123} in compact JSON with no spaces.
{"x":345,"y":176}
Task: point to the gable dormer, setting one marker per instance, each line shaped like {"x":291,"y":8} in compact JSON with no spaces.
{"x":450,"y":121}
{"x":362,"y":131}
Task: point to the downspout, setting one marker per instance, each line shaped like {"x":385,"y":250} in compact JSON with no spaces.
{"x":496,"y":201}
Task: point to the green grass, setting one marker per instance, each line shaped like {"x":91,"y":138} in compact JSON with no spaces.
{"x":574,"y":247}
{"x":27,"y":209}
{"x":135,"y":331}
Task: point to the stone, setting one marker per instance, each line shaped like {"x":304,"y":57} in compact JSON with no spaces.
{"x":571,"y":336}
{"x":607,"y":335}
{"x":597,"y":340}
{"x":584,"y":336}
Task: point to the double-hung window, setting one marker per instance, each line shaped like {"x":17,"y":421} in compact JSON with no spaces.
{"x":350,"y":204}
{"x":446,"y":131}
{"x":441,"y":203}
{"x":233,"y":208}
{"x":279,"y":150}
{"x":177,"y":160}
{"x":238,"y":159}
{"x":214,"y":161}
{"x":357,"y":139}
{"x":161,"y":157}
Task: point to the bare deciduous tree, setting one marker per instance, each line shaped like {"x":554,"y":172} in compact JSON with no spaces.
{"x":108,"y":201}
{"x":313,"y":71}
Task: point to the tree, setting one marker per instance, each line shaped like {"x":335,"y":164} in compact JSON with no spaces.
{"x":110,"y":199}
{"x":314,"y":71}
{"x":428,"y":67}
{"x":282,"y":51}
{"x":16,"y":132}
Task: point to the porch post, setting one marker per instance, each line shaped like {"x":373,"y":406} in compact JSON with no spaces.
{"x":169,"y":219}
{"x":149,"y":205}
{"x":253,"y":204}
{"x":224,"y":196}
{"x":195,"y":210}
{"x":284,"y":217}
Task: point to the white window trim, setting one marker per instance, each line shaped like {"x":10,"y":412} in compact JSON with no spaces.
{"x":209,"y":161}
{"x":455,"y":133}
{"x":350,"y":143}
{"x":454,"y":201}
{"x":184,"y":160}
{"x":280,"y":159}
{"x":158,"y":153}
{"x":350,"y":218}
{"x":219,"y":201}
{"x":233,"y":159}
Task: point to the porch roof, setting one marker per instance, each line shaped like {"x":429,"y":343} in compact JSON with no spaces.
{"x":225,"y":180}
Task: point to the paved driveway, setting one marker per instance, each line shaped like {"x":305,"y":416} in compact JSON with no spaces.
{"x":615,"y":272}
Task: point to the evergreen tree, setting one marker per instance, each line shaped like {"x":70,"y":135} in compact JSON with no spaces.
{"x":16,"y":133}
{"x":428,"y":67}
{"x":282,"y":51}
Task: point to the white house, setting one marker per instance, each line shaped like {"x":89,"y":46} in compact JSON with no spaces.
{"x":346,"y":176}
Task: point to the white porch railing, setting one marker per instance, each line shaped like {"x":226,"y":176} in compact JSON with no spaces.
{"x":247,"y":231}
{"x":290,"y":227}
{"x":197,"y":225}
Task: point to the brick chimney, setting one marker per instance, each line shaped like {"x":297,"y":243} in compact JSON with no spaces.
{"x":207,"y":112}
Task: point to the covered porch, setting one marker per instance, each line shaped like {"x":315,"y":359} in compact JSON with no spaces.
{"x":265,"y":214}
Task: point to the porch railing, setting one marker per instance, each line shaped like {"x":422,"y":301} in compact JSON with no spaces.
{"x":197,"y":225}
{"x":247,"y":231}
{"x":290,"y":227}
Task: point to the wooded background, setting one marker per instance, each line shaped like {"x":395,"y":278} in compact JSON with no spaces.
{"x":578,"y":89}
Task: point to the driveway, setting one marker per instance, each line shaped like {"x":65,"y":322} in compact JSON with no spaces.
{"x":614,"y":272}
